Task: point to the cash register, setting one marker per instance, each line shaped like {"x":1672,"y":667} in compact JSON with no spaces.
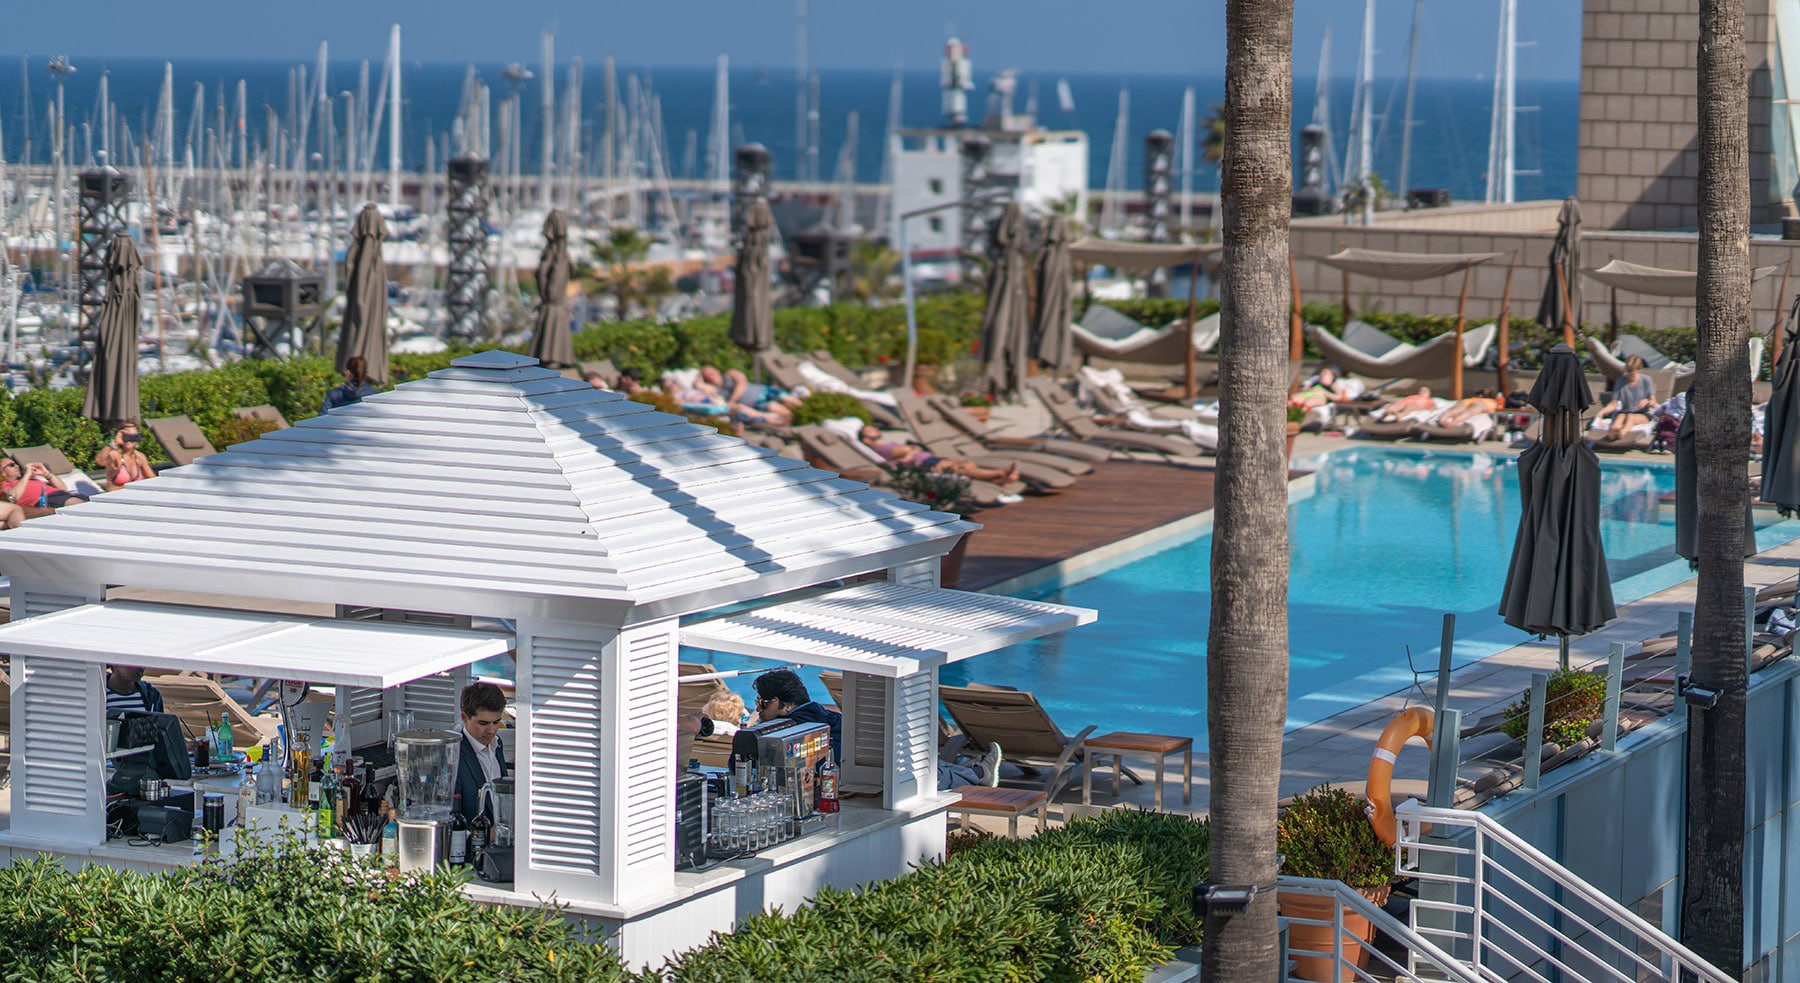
{"x":146,"y":752}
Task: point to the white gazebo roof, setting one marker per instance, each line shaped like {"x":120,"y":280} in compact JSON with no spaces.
{"x":327,"y":651}
{"x":884,"y":629}
{"x":494,"y":486}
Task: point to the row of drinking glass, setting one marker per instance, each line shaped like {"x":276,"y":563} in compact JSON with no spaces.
{"x":743,"y":824}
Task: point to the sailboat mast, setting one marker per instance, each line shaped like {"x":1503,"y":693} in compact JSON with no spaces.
{"x":1406,"y":123}
{"x":1365,"y":130}
{"x":1185,"y":141}
{"x":547,"y":158}
{"x":1510,"y":54}
{"x":801,"y":98}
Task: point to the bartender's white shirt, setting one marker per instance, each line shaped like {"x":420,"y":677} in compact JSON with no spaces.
{"x":488,"y":755}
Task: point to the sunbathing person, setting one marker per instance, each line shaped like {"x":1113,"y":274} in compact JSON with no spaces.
{"x":1633,"y":397}
{"x":758,"y":403}
{"x":1327,"y":387}
{"x":1421,"y":400}
{"x":121,"y":459}
{"x":1464,"y":410}
{"x":34,"y":487}
{"x":700,"y":393}
{"x":913,"y":455}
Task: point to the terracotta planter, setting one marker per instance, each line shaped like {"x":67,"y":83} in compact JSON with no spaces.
{"x":1317,"y":938}
{"x":979,"y":412}
{"x":950,"y":564}
{"x":1293,"y":430}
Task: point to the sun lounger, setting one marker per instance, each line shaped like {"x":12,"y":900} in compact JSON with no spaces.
{"x":1156,"y":346}
{"x":953,"y":411}
{"x":938,"y":436}
{"x":57,"y":464}
{"x":1082,"y":426}
{"x":199,"y":702}
{"x":836,"y":452}
{"x":263,"y":412}
{"x":181,"y":439}
{"x":692,"y":698}
{"x":790,"y":372}
{"x":1027,"y":736}
{"x":1630,"y":440}
{"x":1475,"y":429}
{"x":1436,"y":359}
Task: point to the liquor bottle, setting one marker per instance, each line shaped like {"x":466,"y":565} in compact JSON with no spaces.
{"x":313,"y":796}
{"x":248,"y":789}
{"x":301,"y":765}
{"x":479,"y":837}
{"x":330,"y":791}
{"x":459,"y":833}
{"x":268,"y":779}
{"x":351,"y":789}
{"x":390,"y":839}
{"x":828,"y":786}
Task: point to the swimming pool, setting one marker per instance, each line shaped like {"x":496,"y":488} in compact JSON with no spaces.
{"x":1386,"y":542}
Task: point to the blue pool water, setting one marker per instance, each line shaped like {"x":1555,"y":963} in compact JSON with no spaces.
{"x":1386,"y":543}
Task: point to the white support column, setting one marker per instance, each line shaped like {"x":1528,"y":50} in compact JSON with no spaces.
{"x":596,"y":712}
{"x":910,"y":713}
{"x":58,"y":713}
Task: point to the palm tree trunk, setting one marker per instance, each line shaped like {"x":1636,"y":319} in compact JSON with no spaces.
{"x":1246,"y":650}
{"x":1712,"y":904}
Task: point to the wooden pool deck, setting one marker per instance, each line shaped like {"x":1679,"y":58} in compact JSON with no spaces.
{"x":1117,"y":501}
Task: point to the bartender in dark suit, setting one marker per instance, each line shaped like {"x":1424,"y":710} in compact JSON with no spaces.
{"x":483,"y":707}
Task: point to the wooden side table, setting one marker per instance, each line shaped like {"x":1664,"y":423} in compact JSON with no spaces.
{"x":1158,"y":746}
{"x":1008,"y":802}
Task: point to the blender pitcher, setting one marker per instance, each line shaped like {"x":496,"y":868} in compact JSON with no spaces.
{"x":500,"y":793}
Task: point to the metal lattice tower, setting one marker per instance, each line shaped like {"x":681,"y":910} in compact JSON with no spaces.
{"x":749,"y":182}
{"x":1159,"y":174}
{"x":104,"y":192}
{"x":975,"y":204}
{"x":466,"y":279}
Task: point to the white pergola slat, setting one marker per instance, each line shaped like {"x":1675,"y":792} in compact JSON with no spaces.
{"x":884,"y":629}
{"x":495,"y":476}
{"x":326,"y":651}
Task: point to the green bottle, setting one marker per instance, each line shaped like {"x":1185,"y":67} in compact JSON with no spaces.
{"x":222,"y":746}
{"x":329,"y":788}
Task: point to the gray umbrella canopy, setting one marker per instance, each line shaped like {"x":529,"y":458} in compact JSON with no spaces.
{"x":1557,"y":582}
{"x":1052,"y":342}
{"x":1781,"y":431}
{"x":1563,"y":277}
{"x":1005,"y":323}
{"x":1687,"y":489}
{"x":112,"y":392}
{"x":752,"y":306}
{"x":365,"y":293}
{"x":551,"y":343}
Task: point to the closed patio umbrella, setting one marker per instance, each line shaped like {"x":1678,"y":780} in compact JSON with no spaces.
{"x":112,"y":390}
{"x":1051,"y":341}
{"x":1557,"y":582}
{"x":1687,"y":489}
{"x":752,"y":307}
{"x":551,"y":343}
{"x":1781,"y":431}
{"x":1562,"y":287}
{"x":1005,"y":322}
{"x":364,"y":331}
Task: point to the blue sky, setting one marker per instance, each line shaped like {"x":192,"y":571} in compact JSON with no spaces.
{"x":1174,"y":37}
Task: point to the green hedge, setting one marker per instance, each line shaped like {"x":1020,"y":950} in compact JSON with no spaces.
{"x":277,"y":913}
{"x":1103,"y":898}
{"x":1099,"y":899}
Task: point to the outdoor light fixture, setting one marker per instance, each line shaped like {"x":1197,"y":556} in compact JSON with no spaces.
{"x":1226,"y":899}
{"x":1695,"y":694}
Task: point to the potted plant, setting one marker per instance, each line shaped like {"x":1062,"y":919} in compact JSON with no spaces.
{"x":1325,"y":833}
{"x":979,"y":405}
{"x":1296,"y":415}
{"x":939,"y":491}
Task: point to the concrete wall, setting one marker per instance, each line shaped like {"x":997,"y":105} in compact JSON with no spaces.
{"x":1638,"y":160}
{"x":1513,"y":231}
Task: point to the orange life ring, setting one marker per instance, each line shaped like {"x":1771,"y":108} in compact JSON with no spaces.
{"x":1406,"y":725}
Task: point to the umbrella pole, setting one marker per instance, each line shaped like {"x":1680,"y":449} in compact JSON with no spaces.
{"x":1296,"y":331}
{"x":1775,"y":330}
{"x":1502,"y":378}
{"x":1456,"y":366}
{"x":1612,"y":317}
{"x":1346,"y":290}
{"x":1562,"y":653}
{"x":1193,"y":301}
{"x":1568,"y":327}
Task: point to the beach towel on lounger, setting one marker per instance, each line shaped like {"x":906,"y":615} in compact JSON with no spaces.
{"x":819,"y":380}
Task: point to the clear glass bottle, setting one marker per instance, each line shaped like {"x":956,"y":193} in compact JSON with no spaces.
{"x":300,"y":770}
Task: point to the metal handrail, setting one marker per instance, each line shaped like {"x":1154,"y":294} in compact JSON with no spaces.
{"x":1645,"y":948}
{"x":1422,"y":954}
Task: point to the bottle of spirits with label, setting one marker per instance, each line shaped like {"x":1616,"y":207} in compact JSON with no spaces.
{"x":390,"y":839}
{"x":459,"y":834}
{"x":828,"y":787}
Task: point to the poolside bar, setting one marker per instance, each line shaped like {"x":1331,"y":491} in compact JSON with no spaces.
{"x":500,"y":507}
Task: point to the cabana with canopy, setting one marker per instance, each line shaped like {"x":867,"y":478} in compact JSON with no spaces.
{"x":1420,"y":266}
{"x":1658,"y":282}
{"x":1147,"y":256}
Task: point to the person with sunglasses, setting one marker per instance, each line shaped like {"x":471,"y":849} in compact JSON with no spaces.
{"x":32,"y":486}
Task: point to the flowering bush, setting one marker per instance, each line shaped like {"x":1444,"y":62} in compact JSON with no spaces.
{"x":936,"y":490}
{"x":972,"y":398}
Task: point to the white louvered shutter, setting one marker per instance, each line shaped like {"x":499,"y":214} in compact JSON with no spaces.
{"x":913,"y":709}
{"x":561,"y":766}
{"x":646,"y":782}
{"x":866,"y":742}
{"x":57,"y":708}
